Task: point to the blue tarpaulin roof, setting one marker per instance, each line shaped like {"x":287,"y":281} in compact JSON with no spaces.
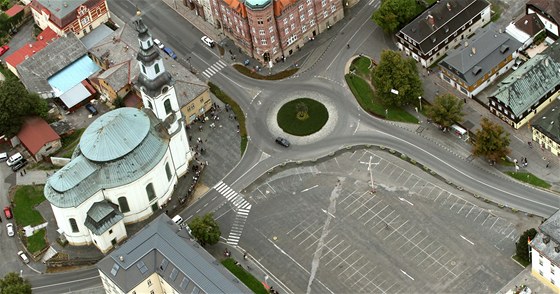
{"x":72,"y":75}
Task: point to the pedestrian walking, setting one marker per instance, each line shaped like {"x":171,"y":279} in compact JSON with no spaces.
{"x":245,"y":256}
{"x":548,"y":164}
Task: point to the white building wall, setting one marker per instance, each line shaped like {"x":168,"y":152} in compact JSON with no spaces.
{"x":544,"y":270}
{"x":103,"y":242}
{"x":108,"y":285}
{"x":549,"y":26}
{"x":149,"y":284}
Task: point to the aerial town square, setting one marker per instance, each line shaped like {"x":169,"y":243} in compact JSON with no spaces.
{"x":280,"y":146}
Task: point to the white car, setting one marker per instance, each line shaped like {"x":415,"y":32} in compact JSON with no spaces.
{"x":10,"y":229}
{"x":517,"y":64}
{"x":209,"y":42}
{"x":158,"y":43}
{"x":23,"y":256}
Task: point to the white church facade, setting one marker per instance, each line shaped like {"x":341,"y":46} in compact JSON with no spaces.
{"x":127,"y":163}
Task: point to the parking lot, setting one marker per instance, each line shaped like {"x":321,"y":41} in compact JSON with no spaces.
{"x":328,"y":227}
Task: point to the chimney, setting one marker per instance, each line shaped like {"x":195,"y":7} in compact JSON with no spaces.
{"x":526,"y":22}
{"x":473,"y":51}
{"x":121,"y":258}
{"x":65,"y":4}
{"x":30,"y":45}
{"x":448,"y":6}
{"x":40,"y":37}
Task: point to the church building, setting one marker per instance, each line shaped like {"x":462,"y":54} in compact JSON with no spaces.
{"x":127,"y":162}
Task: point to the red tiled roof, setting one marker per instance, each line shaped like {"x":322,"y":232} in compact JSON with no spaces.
{"x":44,"y":38}
{"x":35,"y":133}
{"x":14,"y":10}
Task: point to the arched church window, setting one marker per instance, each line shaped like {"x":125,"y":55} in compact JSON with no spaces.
{"x":167,"y":105}
{"x":150,"y":105}
{"x":123,"y":204}
{"x":156,"y":67}
{"x":168,"y":171}
{"x":150,"y":191}
{"x":143,"y":69}
{"x":74,"y":225}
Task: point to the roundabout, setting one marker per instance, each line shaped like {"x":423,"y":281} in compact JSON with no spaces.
{"x":302,"y":117}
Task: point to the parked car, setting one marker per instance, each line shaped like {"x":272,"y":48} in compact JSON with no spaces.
{"x":159,"y":44}
{"x":10,"y":229}
{"x":91,"y":109}
{"x":517,"y":64}
{"x":23,"y":257}
{"x":14,"y":159}
{"x":170,"y":52}
{"x":3,"y":156}
{"x":4,"y":49}
{"x":283,"y":142}
{"x":209,"y":42}
{"x":8,"y":212}
{"x":19,"y":165}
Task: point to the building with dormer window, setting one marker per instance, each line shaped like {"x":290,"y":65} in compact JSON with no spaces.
{"x":545,"y":253}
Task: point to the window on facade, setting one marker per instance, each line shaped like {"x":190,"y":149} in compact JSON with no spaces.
{"x":151,"y":192}
{"x":260,"y":21}
{"x":270,"y":29}
{"x":325,"y":14}
{"x":168,"y":171}
{"x":310,"y":12}
{"x":85,"y":21}
{"x":333,"y":8}
{"x":167,"y":106}
{"x":149,"y":282}
{"x":312,"y":22}
{"x":300,"y":7}
{"x":303,"y":28}
{"x":293,"y":26}
{"x":540,"y":273}
{"x":552,"y":281}
{"x":111,"y":231}
{"x":323,"y":3}
{"x":261,"y":32}
{"x":308,"y":2}
{"x":285,"y":21}
{"x":540,"y":262}
{"x":156,"y":68}
{"x":274,"y":50}
{"x":272,"y":39}
{"x":74,"y":225}
{"x":291,"y":16}
{"x":286,"y":31}
{"x":263,"y":41}
{"x":123,"y":204}
{"x":302,"y":17}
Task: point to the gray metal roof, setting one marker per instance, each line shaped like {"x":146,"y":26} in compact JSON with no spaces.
{"x":97,"y":35}
{"x":548,"y":122}
{"x":428,"y":31}
{"x":60,"y":53}
{"x":101,"y":216}
{"x":531,"y":81}
{"x":548,"y":238}
{"x":114,"y":134}
{"x":488,"y":45}
{"x":164,"y":249}
{"x":60,"y":8}
{"x":81,"y":178}
{"x":117,"y":76}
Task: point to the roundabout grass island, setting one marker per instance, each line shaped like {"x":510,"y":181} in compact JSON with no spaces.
{"x":302,"y":117}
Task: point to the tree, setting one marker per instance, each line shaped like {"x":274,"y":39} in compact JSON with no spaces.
{"x":12,"y":283}
{"x":396,"y":73}
{"x":394,"y":14}
{"x":522,"y":248}
{"x":15,"y":104}
{"x":205,"y":229}
{"x":446,"y":110}
{"x":491,"y":141}
{"x":302,"y":111}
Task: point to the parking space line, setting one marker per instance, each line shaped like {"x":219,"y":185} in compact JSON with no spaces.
{"x":375,"y":215}
{"x":332,"y":249}
{"x":305,"y":230}
{"x":369,"y":211}
{"x":310,"y":235}
{"x":462,"y":207}
{"x":337,"y":255}
{"x":416,"y":244}
{"x":397,"y":179}
{"x":482,"y":224}
{"x":497,"y":219}
{"x":396,"y":230}
{"x":439,"y":194}
{"x":481,"y":210}
{"x":404,"y":243}
{"x":362,"y":276}
{"x":343,"y":260}
{"x":350,"y":266}
{"x":362,"y":205}
{"x":375,"y":285}
{"x":359,"y":197}
{"x":466,"y":216}
{"x":347,"y":196}
{"x":315,"y":242}
{"x":389,"y":223}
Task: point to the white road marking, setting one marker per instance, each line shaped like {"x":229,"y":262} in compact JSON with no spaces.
{"x":407,"y":275}
{"x":328,"y":213}
{"x":404,"y":200}
{"x":305,"y":190}
{"x":463,"y":237}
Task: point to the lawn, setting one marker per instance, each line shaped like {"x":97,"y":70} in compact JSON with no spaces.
{"x":70,"y":142}
{"x":37,"y":242}
{"x":246,"y":278}
{"x":256,"y":75}
{"x":288,"y":121}
{"x":529,"y":178}
{"x":25,"y":200}
{"x":362,"y":67}
{"x":366,"y":98}
{"x":236,"y":109}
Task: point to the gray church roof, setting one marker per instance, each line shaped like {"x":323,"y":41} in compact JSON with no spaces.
{"x":486,"y":50}
{"x":81,"y":177}
{"x":101,"y":216}
{"x":531,"y":81}
{"x":547,"y":241}
{"x":162,"y":248}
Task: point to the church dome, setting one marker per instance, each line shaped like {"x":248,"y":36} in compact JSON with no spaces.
{"x":114,"y":134}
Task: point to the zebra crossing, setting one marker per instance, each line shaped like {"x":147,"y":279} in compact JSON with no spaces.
{"x":213,"y":69}
{"x":241,"y":208}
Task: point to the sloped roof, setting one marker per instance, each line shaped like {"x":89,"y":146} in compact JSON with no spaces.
{"x":551,"y":7}
{"x":548,"y":123}
{"x":117,"y":76}
{"x":29,"y":49}
{"x":441,"y":20}
{"x":162,"y":248}
{"x":94,"y":37}
{"x":280,"y":5}
{"x":490,"y":47}
{"x":35,"y":133}
{"x":62,"y":12}
{"x":530,"y":24}
{"x":14,"y":10}
{"x":550,"y":229}
{"x":101,"y":216}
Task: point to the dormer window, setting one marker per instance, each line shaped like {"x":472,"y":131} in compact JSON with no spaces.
{"x":82,"y":10}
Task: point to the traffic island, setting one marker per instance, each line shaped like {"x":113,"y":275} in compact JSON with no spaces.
{"x":302,"y":117}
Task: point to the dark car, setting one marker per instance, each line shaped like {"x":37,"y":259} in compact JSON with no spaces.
{"x":283,"y":142}
{"x":19,"y":165}
{"x":8,"y":212}
{"x":91,"y":109}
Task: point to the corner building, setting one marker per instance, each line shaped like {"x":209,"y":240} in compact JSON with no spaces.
{"x":270,"y":30}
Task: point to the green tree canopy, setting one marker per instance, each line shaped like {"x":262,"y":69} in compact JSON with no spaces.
{"x":12,"y":283}
{"x":522,"y":247}
{"x":205,"y":229}
{"x":16,"y":104}
{"x":394,"y":14}
{"x":491,"y":141}
{"x":396,"y":73}
{"x":446,"y":110}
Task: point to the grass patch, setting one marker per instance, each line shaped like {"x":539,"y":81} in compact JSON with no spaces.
{"x":522,"y":261}
{"x":37,"y":242}
{"x":69,"y":143}
{"x":246,"y":278}
{"x":25,"y":200}
{"x":496,"y":11}
{"x":361,"y":66}
{"x":255,"y":75}
{"x":236,"y":109}
{"x":317,"y":117}
{"x":529,"y":178}
{"x":366,"y":98}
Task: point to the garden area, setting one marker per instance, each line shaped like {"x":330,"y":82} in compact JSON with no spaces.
{"x":256,"y":75}
{"x":529,"y":178}
{"x":302,"y":117}
{"x":25,"y":199}
{"x":246,"y":278}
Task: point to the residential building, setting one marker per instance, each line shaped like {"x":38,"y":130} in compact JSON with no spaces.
{"x":546,"y":129}
{"x":545,"y":253}
{"x":529,"y":89}
{"x":442,"y":27}
{"x":525,"y":29}
{"x":163,"y":258}
{"x":548,"y":12}
{"x":116,"y":53}
{"x":270,"y":30}
{"x":70,"y":16}
{"x":488,"y":54}
{"x":46,"y":37}
{"x":127,"y":163}
{"x":37,"y":136}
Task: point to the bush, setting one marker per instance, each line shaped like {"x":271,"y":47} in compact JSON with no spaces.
{"x":255,"y":75}
{"x":521,"y":246}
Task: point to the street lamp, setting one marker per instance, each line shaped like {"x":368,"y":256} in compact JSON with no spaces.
{"x":420,"y":101}
{"x":189,"y":61}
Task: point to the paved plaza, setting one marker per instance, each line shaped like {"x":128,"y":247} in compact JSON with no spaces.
{"x":327,"y":227}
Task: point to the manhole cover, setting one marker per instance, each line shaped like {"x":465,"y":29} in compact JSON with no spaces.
{"x":453,"y":262}
{"x":419,"y":129}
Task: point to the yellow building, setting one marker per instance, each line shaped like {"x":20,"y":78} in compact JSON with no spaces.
{"x":546,"y":129}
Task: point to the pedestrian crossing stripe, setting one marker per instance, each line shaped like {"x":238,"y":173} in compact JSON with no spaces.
{"x":214,"y":68}
{"x":241,"y":208}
